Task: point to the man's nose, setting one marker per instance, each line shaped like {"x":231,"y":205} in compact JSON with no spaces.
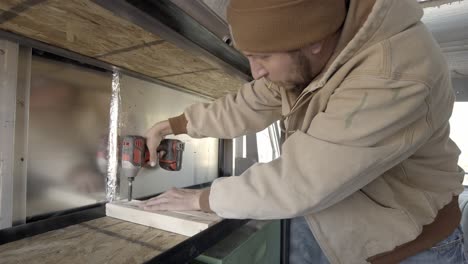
{"x":257,"y":69}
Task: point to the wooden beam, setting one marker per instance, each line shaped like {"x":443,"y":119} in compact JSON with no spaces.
{"x":187,"y":223}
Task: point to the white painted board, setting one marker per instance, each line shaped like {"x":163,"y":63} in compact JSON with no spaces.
{"x":187,"y":223}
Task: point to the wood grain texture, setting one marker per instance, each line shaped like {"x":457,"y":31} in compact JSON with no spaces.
{"x":103,"y":240}
{"x":187,"y":223}
{"x":158,"y":60}
{"x":214,"y":83}
{"x":86,"y":28}
{"x":75,"y":25}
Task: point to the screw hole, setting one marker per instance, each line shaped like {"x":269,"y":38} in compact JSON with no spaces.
{"x":227,"y":40}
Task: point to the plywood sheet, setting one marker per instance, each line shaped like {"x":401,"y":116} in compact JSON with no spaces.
{"x":214,"y":83}
{"x":74,"y":25}
{"x":187,"y":223}
{"x":103,"y":240}
{"x":168,"y":63}
{"x":88,"y":29}
{"x":158,"y":60}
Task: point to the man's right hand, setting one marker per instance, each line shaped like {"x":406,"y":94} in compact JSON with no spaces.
{"x":154,"y":135}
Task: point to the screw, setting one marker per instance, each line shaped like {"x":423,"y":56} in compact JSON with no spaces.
{"x":227,"y":40}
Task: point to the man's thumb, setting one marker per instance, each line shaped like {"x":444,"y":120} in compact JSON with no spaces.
{"x":153,"y":156}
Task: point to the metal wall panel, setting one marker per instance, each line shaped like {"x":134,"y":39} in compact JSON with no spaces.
{"x":218,"y":6}
{"x":143,"y":104}
{"x":69,"y":111}
{"x":21,"y":136}
{"x":8,"y":80}
{"x":69,"y":115}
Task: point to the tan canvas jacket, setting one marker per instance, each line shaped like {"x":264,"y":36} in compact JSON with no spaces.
{"x":367,"y":159}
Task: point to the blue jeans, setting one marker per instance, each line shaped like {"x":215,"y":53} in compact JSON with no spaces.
{"x":304,"y":249}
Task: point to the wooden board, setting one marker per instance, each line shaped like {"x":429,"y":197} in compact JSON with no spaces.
{"x":214,"y":83}
{"x":86,"y":28}
{"x":74,"y":25}
{"x":187,"y":223}
{"x":103,"y":240}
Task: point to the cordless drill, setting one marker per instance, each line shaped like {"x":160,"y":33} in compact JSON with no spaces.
{"x":135,"y":155}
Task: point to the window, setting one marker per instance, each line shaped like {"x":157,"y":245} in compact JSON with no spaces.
{"x":459,"y":133}
{"x":263,"y":147}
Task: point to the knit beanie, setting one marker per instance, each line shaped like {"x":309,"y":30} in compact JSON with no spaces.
{"x":282,"y":25}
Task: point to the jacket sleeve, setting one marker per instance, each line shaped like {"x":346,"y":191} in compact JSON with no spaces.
{"x":364,"y":131}
{"x":255,"y":106}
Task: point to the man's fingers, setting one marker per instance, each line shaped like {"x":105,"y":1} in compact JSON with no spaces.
{"x":152,"y":153}
{"x":173,"y":199}
{"x":169,"y":206}
{"x":157,"y":201}
{"x":171,"y":193}
{"x":153,"y":139}
{"x":156,"y":207}
{"x":161,"y":204}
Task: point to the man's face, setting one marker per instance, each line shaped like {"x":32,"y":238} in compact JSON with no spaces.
{"x":293,"y":69}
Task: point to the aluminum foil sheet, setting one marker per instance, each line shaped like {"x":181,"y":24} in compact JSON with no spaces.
{"x":112,"y":182}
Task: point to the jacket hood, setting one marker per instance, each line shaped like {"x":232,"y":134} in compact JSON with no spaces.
{"x":367,"y":23}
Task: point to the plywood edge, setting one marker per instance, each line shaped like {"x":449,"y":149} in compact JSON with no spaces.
{"x":182,"y":223}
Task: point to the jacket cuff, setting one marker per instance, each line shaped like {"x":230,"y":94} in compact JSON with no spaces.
{"x":178,"y":124}
{"x":205,"y":201}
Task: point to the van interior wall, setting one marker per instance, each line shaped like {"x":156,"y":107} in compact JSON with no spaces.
{"x":69,"y":114}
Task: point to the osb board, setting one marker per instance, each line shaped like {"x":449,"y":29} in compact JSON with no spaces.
{"x":103,"y":240}
{"x":158,"y":60}
{"x":214,"y":82}
{"x":86,"y":28}
{"x":186,"y":71}
{"x":75,"y":25}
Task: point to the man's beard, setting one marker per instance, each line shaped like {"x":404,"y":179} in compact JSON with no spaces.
{"x":302,"y":74}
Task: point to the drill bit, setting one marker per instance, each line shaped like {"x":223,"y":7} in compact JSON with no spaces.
{"x":130,"y":188}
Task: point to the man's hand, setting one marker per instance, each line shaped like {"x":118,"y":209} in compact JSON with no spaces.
{"x":174,"y":200}
{"x":153,"y":136}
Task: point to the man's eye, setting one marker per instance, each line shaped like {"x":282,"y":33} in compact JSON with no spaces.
{"x":262,"y":57}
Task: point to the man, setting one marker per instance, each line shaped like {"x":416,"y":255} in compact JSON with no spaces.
{"x":367,"y":164}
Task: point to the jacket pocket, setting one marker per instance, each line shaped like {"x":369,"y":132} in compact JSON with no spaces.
{"x":358,"y":228}
{"x":391,"y":220}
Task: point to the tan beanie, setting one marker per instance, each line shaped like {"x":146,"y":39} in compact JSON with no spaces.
{"x":283,"y":25}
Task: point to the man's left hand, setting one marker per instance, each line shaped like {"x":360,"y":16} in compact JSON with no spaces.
{"x":174,"y":200}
